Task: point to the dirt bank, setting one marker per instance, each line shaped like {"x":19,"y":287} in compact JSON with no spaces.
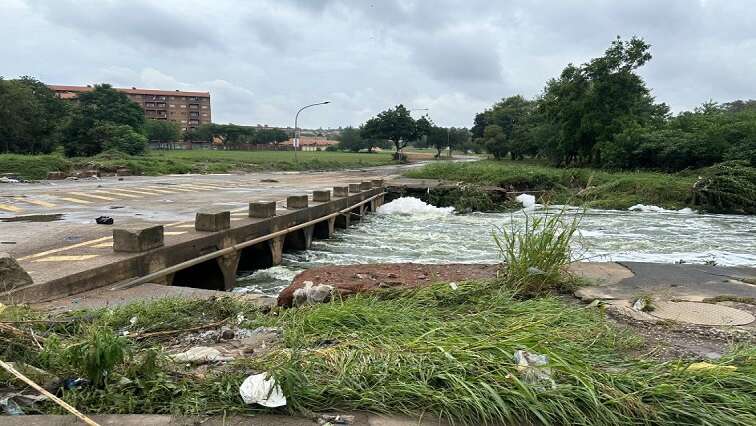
{"x":351,"y":279}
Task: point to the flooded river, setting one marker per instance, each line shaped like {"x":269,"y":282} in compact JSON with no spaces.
{"x":407,"y":231}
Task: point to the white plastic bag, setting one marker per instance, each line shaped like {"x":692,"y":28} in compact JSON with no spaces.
{"x":259,"y":389}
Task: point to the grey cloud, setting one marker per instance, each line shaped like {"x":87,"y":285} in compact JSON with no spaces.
{"x":456,"y":58}
{"x":139,"y":20}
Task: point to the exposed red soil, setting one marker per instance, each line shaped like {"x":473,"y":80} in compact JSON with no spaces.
{"x":351,"y":279}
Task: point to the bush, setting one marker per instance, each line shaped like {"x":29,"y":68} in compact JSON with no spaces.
{"x":120,"y":137}
{"x":727,"y":187}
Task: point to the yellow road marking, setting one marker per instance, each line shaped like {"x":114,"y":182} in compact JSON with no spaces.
{"x":57,"y":250}
{"x":99,"y":197}
{"x":38,"y":202}
{"x":99,"y":191}
{"x":174,"y":224}
{"x":162,"y":191}
{"x":236,"y":218}
{"x":198,"y":188}
{"x":102,"y":245}
{"x":143,"y":192}
{"x":188,"y":225}
{"x":174,"y":232}
{"x":170,"y":189}
{"x":67,"y":258}
{"x":205,"y":186}
{"x":75,"y":200}
{"x":10,"y":208}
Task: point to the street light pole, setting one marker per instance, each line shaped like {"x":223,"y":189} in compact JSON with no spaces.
{"x":296,"y":125}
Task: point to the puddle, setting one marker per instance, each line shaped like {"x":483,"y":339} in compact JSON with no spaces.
{"x":34,"y":218}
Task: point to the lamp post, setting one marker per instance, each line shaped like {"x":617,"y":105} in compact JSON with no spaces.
{"x":296,"y":125}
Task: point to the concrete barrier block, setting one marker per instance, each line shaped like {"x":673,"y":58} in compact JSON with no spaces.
{"x":354,"y":188}
{"x":366,"y":185}
{"x":56,"y":175}
{"x":211,"y":219}
{"x":340,"y":191}
{"x":262,"y":209}
{"x":377,"y":183}
{"x":321,"y":196}
{"x":296,"y":202}
{"x":12,"y":275}
{"x":137,"y":238}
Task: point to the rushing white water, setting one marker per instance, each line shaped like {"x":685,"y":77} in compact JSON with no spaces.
{"x":413,"y":206}
{"x":605,"y":235}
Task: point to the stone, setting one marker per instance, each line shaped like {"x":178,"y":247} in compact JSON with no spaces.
{"x":354,"y":188}
{"x":340,"y":191}
{"x":12,"y":275}
{"x":56,"y":175}
{"x":296,"y":202}
{"x":321,"y":196}
{"x":377,"y":183}
{"x":366,"y":185}
{"x":136,"y":238}
{"x":262,"y":209}
{"x":210,"y":219}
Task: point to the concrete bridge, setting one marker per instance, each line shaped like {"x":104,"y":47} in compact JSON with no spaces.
{"x":205,"y":254}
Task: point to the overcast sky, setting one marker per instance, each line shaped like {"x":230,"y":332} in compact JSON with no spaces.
{"x":261,"y":60}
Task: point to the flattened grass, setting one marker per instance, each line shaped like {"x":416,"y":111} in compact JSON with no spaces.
{"x":429,"y":351}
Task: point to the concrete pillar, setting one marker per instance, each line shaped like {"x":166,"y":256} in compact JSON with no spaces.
{"x":354,"y":188}
{"x":262,"y":209}
{"x":340,"y":191}
{"x":321,"y":196}
{"x":212,"y":219}
{"x":276,"y":250}
{"x":12,"y":275}
{"x":343,"y":220}
{"x":296,"y":202}
{"x":137,"y":237}
{"x":325,"y":229}
{"x":300,"y":239}
{"x":228,"y":265}
{"x":366,"y":185}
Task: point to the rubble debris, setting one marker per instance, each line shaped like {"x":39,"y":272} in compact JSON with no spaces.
{"x":312,"y":294}
{"x":261,"y":390}
{"x":104,"y":220}
{"x":532,"y":367}
{"x":339,"y":419}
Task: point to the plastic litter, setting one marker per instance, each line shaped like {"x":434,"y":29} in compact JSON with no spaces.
{"x":714,"y":368}
{"x":532,"y":367}
{"x":312,"y":294}
{"x":201,"y":355}
{"x":330,"y":419}
{"x":104,"y":220}
{"x":259,"y":389}
{"x":453,"y":286}
{"x":10,"y":407}
{"x":75,"y":382}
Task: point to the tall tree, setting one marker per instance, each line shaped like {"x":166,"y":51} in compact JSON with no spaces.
{"x":162,"y":131}
{"x":102,"y":106}
{"x":396,"y":125}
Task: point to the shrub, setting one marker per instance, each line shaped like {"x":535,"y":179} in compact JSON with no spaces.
{"x":727,"y":187}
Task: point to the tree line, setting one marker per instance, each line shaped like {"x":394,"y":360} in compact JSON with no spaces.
{"x":602,"y":114}
{"x":34,"y":120}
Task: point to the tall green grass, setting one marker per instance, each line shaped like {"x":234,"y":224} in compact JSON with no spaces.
{"x":536,"y":251}
{"x":580,"y":186}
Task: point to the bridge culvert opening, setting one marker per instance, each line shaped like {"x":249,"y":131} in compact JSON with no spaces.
{"x":258,"y":256}
{"x":322,"y":230}
{"x":206,"y":275}
{"x":298,"y":240}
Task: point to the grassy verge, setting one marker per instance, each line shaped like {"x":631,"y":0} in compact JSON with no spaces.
{"x":205,"y":161}
{"x":593,"y":188}
{"x":431,"y":351}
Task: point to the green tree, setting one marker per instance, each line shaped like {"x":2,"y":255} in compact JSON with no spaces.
{"x":102,"y":106}
{"x":351,"y":140}
{"x":31,"y":116}
{"x":395,"y":125}
{"x":119,"y":137}
{"x":162,"y":131}
{"x":495,"y":140}
{"x":589,"y":105}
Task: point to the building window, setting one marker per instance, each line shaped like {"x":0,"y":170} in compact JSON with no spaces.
{"x":183,"y":106}
{"x":194,"y":114}
{"x":204,"y":114}
{"x":150,"y":105}
{"x":193,"y":106}
{"x":173,"y":106}
{"x":204,"y":106}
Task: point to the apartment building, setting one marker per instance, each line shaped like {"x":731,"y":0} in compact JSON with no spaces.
{"x":189,"y":109}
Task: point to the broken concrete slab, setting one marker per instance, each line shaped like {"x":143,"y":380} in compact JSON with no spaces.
{"x":12,"y":275}
{"x":687,"y":282}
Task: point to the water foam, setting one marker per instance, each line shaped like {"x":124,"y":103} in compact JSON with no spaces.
{"x":528,"y":201}
{"x":413,"y":206}
{"x":656,"y":209}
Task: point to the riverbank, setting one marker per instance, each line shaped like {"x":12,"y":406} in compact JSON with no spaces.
{"x":439,"y":350}
{"x":720,"y":189}
{"x":157,"y":163}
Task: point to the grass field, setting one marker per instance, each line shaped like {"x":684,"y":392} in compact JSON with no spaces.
{"x":590,"y":187}
{"x":195,"y":161}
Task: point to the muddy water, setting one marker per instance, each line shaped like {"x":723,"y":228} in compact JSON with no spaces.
{"x":415,"y":233}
